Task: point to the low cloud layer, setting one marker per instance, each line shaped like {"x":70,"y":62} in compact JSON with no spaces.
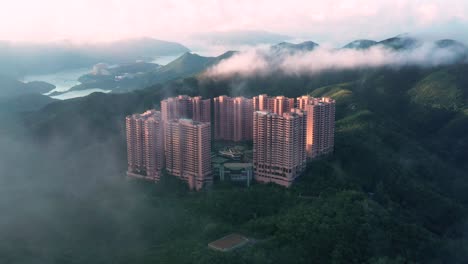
{"x":260,"y":61}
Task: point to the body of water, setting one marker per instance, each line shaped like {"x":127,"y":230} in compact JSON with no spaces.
{"x":74,"y":94}
{"x":64,"y":80}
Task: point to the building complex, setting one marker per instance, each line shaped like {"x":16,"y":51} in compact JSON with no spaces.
{"x":285,"y":132}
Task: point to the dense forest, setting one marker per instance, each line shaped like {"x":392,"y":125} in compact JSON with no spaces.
{"x":394,"y":191}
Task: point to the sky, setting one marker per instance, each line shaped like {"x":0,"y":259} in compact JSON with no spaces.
{"x":332,"y":21}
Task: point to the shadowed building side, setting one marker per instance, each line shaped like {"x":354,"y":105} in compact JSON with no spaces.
{"x":233,"y":118}
{"x":145,"y":145}
{"x":188,"y":152}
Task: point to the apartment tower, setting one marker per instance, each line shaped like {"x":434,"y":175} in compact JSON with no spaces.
{"x":278,"y":104}
{"x":233,"y":118}
{"x":320,"y":124}
{"x":279,"y":146}
{"x":145,"y":145}
{"x":188,"y":151}
{"x":184,"y":106}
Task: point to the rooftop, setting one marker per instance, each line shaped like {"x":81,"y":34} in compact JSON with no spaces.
{"x":229,"y":242}
{"x":237,"y":165}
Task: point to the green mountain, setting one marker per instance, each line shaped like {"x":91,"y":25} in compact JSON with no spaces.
{"x":401,"y":42}
{"x":291,"y":48}
{"x":439,"y":90}
{"x":10,"y":87}
{"x":147,"y":74}
{"x":393,"y":192}
{"x":24,"y":103}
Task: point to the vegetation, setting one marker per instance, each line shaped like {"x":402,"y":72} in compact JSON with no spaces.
{"x":394,"y":191}
{"x":12,"y":88}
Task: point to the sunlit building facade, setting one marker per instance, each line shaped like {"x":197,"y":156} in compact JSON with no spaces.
{"x":278,"y":104}
{"x":279,"y":146}
{"x":320,"y":124}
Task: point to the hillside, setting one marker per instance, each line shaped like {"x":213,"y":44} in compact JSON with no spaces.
{"x":24,"y":103}
{"x":360,"y":44}
{"x":9,"y":87}
{"x":399,"y":147}
{"x":292,"y":48}
{"x":148,"y":74}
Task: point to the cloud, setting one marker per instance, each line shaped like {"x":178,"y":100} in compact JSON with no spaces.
{"x":260,"y":61}
{"x":334,"y":20}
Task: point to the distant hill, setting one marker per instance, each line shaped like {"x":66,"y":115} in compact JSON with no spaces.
{"x":187,"y":65}
{"x":360,"y":44}
{"x":291,"y":48}
{"x":24,"y":103}
{"x":139,"y":75}
{"x":19,"y":59}
{"x":10,"y":87}
{"x":401,"y":42}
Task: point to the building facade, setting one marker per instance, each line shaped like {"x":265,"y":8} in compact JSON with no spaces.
{"x":233,"y":118}
{"x":320,"y":124}
{"x":223,"y":118}
{"x":145,"y":145}
{"x":278,"y":104}
{"x":279,"y":146}
{"x":188,"y":152}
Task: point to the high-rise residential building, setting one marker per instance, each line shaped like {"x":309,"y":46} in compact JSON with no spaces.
{"x":243,"y":119}
{"x":188,"y":151}
{"x":223,"y":117}
{"x":201,"y":109}
{"x":184,"y":106}
{"x":279,"y":146}
{"x":263,"y":102}
{"x":233,"y":118}
{"x":278,"y":104}
{"x":302,"y":101}
{"x":282,"y":104}
{"x":145,"y":145}
{"x":320,"y":124}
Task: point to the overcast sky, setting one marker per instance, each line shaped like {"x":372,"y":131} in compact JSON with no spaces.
{"x":331,"y":21}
